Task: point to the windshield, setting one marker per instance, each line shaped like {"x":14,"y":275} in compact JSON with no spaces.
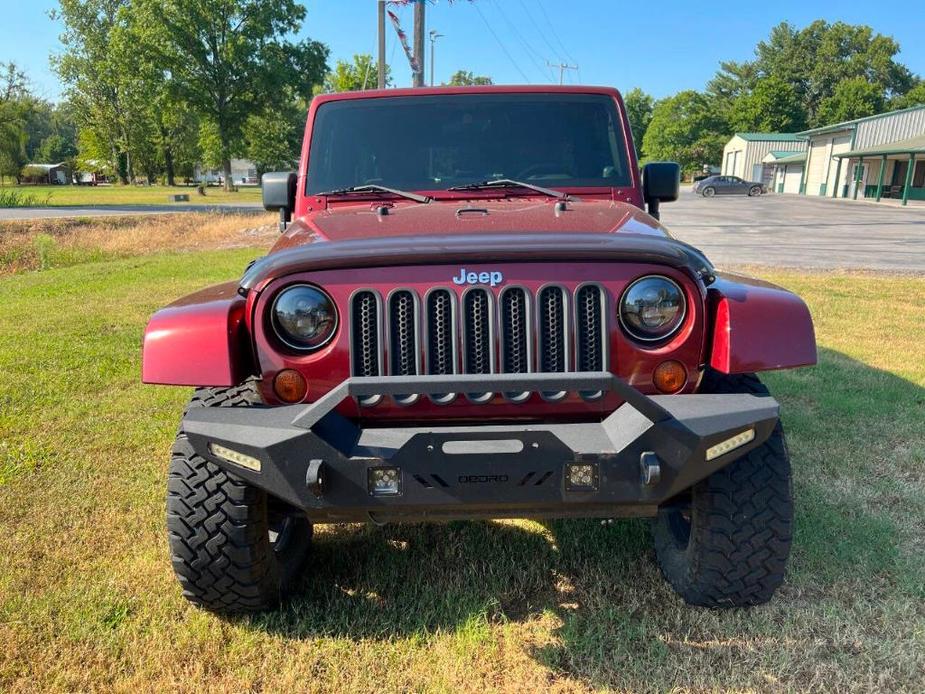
{"x":436,"y":142}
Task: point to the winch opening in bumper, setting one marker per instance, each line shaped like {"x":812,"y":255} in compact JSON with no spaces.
{"x":644,"y":453}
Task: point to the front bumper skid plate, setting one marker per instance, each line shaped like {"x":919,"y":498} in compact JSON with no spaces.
{"x":641,"y":455}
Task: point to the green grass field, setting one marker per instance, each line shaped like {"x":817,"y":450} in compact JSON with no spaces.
{"x":88,"y":600}
{"x":61,"y":196}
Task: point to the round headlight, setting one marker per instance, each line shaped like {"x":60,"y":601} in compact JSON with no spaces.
{"x":652,"y":308}
{"x":304,"y":317}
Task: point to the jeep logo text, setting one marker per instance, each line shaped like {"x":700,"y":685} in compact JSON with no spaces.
{"x":493,"y":279}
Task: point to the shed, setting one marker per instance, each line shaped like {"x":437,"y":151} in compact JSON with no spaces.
{"x":787,"y":170}
{"x":743,"y":155}
{"x":45,"y":174}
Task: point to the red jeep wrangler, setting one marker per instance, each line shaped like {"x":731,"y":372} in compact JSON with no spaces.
{"x":469,"y":314}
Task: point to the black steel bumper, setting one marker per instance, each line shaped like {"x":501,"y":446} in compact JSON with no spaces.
{"x":641,"y":455}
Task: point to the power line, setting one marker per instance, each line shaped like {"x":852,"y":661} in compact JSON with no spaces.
{"x":552,"y":29}
{"x":555,"y":51}
{"x":501,"y":44}
{"x":536,"y":57}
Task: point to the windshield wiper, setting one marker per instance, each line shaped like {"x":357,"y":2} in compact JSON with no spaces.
{"x":373,"y":188}
{"x":510,"y":183}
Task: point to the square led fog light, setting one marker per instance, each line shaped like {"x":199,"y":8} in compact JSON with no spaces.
{"x":581,"y":477}
{"x":384,"y":481}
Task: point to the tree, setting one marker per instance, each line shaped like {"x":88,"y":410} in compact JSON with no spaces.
{"x":639,"y":107}
{"x":772,"y":106}
{"x":272,"y":139}
{"x":814,"y":60}
{"x":463,"y":78}
{"x":228,"y":59}
{"x":914,"y":97}
{"x":854,"y":98}
{"x":96,"y":77}
{"x":686,"y":128}
{"x":362,"y":73}
{"x":15,"y":113}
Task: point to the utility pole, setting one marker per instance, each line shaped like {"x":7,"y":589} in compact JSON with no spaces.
{"x":562,"y":68}
{"x":419,"y":42}
{"x":433,"y":41}
{"x":381,"y":4}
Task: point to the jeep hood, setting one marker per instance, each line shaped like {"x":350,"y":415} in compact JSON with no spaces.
{"x":345,"y":222}
{"x":403,"y":251}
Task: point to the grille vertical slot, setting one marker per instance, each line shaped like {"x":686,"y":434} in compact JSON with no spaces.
{"x":404,"y":346}
{"x":365,"y":337}
{"x":589,"y":332}
{"x":478,"y":337}
{"x":553,"y":334}
{"x":441,"y":338}
{"x":516,"y":347}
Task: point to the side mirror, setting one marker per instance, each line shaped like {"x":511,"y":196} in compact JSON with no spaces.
{"x":279,"y":194}
{"x":661,"y":182}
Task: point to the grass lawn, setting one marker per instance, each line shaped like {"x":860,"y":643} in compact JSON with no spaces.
{"x":88,"y":600}
{"x":60,"y":196}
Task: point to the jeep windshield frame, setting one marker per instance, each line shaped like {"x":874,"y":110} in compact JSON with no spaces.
{"x":436,"y":142}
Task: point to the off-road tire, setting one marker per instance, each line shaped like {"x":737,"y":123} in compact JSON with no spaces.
{"x":219,"y":526}
{"x":727,"y":544}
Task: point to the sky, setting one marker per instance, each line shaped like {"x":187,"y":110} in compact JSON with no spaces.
{"x":617,"y":43}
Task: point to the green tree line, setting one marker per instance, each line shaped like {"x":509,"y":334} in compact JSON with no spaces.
{"x":31,"y":129}
{"x":153,"y":87}
{"x":800,"y":78}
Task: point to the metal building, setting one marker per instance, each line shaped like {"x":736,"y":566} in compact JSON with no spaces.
{"x":787,"y":168}
{"x":744,"y":154}
{"x":873,"y":157}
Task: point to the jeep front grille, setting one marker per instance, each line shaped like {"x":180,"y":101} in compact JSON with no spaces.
{"x":589,"y":314}
{"x":480,"y":331}
{"x":553,"y":335}
{"x":365,"y":344}
{"x":515,"y":336}
{"x":478,"y":346}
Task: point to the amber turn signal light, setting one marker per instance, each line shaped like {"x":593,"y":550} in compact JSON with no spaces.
{"x":670,"y":376}
{"x":290,"y":386}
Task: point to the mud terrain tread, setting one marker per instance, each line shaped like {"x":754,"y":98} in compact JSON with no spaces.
{"x":217,"y":526}
{"x":742,"y":522}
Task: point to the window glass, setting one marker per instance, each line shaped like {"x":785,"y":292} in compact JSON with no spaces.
{"x":434,"y":142}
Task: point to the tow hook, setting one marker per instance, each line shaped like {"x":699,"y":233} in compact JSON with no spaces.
{"x":650,"y":469}
{"x":314,"y":477}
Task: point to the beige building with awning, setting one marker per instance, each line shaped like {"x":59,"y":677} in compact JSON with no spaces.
{"x":892,"y":170}
{"x":875,"y":157}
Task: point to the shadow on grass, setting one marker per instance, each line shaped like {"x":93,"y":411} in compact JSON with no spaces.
{"x":600,"y":583}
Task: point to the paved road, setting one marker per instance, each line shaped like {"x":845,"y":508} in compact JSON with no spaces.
{"x":26,"y":213}
{"x":801,"y":232}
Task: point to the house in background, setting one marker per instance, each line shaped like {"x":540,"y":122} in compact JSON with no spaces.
{"x":45,"y":174}
{"x":243,"y":173}
{"x":744,"y":154}
{"x":92,"y":172}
